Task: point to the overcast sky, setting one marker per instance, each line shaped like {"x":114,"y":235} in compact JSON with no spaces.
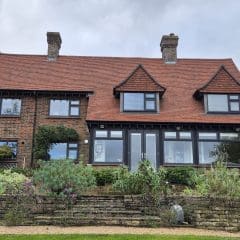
{"x":206,"y":28}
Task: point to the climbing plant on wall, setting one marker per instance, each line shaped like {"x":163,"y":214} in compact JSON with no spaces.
{"x":47,"y":135}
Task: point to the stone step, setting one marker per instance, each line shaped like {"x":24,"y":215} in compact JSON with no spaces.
{"x":92,"y":201}
{"x":103,"y":206}
{"x":107,"y":197}
{"x":94,"y":212}
{"x":108,"y":221}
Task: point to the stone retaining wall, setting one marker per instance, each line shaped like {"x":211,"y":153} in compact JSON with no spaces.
{"x":208,"y":213}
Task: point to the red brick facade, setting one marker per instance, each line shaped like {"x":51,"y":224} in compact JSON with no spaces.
{"x":34,"y":113}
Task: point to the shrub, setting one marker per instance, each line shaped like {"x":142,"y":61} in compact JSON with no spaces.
{"x":20,"y":204}
{"x":218,"y":181}
{"x":145,"y":180}
{"x":5,"y":152}
{"x":11,"y":181}
{"x":104,"y":176}
{"x":181,"y":175}
{"x":28,"y":172}
{"x":63,"y":178}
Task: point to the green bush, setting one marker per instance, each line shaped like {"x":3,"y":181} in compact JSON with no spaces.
{"x":181,"y":175}
{"x":145,"y":180}
{"x":218,"y":181}
{"x":11,"y":181}
{"x":63,"y":177}
{"x":28,"y":172}
{"x":105,"y":176}
{"x":5,"y":152}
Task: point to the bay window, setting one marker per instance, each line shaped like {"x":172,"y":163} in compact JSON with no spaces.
{"x":108,"y":146}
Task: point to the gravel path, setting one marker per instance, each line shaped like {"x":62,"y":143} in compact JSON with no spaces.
{"x":112,"y":230}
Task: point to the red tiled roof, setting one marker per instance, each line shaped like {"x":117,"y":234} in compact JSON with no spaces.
{"x":102,"y":74}
{"x":139,"y":80}
{"x":221,"y":82}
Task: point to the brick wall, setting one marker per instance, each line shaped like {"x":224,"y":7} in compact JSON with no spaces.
{"x":21,"y":128}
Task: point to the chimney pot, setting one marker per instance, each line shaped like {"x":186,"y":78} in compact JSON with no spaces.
{"x":168,"y":46}
{"x":54,"y":44}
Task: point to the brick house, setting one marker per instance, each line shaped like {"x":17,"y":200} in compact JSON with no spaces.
{"x":171,"y":111}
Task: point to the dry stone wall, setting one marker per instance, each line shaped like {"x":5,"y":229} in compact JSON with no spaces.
{"x":207,"y":213}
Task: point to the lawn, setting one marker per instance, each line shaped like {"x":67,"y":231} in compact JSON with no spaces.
{"x":108,"y":237}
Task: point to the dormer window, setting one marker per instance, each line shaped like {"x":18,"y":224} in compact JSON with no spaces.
{"x":139,"y":92}
{"x":139,"y":102}
{"x":223,"y":103}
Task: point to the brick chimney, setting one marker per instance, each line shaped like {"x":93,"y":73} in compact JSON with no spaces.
{"x":54,"y":44}
{"x":169,"y":48}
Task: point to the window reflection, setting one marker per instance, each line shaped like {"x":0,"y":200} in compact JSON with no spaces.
{"x":10,"y":106}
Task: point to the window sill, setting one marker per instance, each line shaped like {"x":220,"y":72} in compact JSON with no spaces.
{"x":63,"y":117}
{"x":10,"y":116}
{"x":141,"y":112}
{"x":223,"y":113}
{"x":107,"y":164}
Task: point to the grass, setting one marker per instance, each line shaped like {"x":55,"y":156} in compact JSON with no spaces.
{"x":108,"y":237}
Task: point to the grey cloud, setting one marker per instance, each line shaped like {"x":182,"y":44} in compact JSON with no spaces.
{"x":207,"y":29}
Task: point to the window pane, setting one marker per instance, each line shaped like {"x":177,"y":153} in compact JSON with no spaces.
{"x":229,"y":136}
{"x":108,"y":151}
{"x":59,"y":107}
{"x":72,"y":154}
{"x":72,"y":145}
{"x":75,"y":102}
{"x":100,"y":133}
{"x":150,"y":105}
{"x":134,"y":101}
{"x":58,"y":151}
{"x":233,"y":97}
{"x":185,"y":135}
{"x":12,"y":145}
{"x":217,"y":103}
{"x":116,"y":134}
{"x":178,"y":152}
{"x":207,"y":152}
{"x":74,"y":111}
{"x":11,"y":106}
{"x":136,"y":150}
{"x":234,"y":106}
{"x":210,"y":151}
{"x":151,"y":140}
{"x":170,"y":135}
{"x":207,"y":136}
{"x":150,"y":95}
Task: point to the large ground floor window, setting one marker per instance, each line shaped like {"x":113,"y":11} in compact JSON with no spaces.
{"x":215,"y":145}
{"x":178,"y":147}
{"x":108,"y":146}
{"x":170,"y":147}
